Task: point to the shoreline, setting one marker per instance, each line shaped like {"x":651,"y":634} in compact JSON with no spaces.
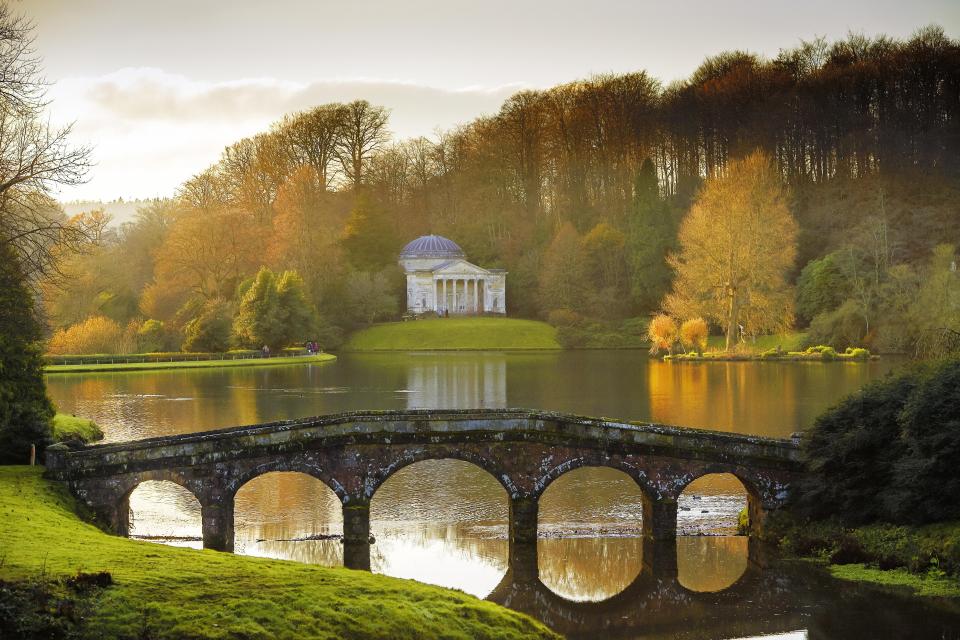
{"x":188,"y":364}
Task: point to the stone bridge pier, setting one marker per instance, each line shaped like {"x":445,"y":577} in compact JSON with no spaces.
{"x":355,"y":453}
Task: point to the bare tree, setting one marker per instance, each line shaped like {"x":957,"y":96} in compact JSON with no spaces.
{"x":364,"y":130}
{"x":34,"y":157}
{"x":313,"y":136}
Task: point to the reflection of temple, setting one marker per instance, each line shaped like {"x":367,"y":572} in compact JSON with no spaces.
{"x":456,"y":382}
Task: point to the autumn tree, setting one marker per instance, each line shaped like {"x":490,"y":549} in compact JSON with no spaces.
{"x":662,"y":332}
{"x":363,"y":130}
{"x":694,"y":333}
{"x":563,"y":274}
{"x":737,"y":245}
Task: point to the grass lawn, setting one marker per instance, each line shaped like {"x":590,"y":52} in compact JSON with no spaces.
{"x":166,"y":592}
{"x":788,"y":342}
{"x":194,"y":364}
{"x":73,"y":428}
{"x":441,"y":334}
{"x":933,"y":583}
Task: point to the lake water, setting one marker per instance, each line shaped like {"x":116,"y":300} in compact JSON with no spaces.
{"x":444,"y":521}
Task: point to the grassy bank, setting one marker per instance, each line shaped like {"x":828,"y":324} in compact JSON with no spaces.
{"x":164,"y":592}
{"x":187,"y":364}
{"x":73,"y":428}
{"x":924,"y":559}
{"x":811,"y":354}
{"x":451,"y":334}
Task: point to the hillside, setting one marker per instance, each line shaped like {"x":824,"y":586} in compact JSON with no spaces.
{"x":163,"y":592}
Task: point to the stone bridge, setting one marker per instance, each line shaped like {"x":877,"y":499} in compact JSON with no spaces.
{"x":354,"y":453}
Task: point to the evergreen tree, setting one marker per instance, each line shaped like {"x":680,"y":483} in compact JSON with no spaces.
{"x":301,"y":319}
{"x":652,"y":235}
{"x":25,"y":410}
{"x":261,"y":320}
{"x":369,"y":239}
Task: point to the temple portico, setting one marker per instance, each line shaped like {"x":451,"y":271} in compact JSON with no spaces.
{"x":440,"y":279}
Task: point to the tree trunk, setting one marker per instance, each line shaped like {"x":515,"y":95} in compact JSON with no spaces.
{"x":731,"y":316}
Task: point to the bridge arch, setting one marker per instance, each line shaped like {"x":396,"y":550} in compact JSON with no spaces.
{"x":126,"y":515}
{"x":412,"y":456}
{"x":280,"y":464}
{"x":607,"y":504}
{"x":638,"y":475}
{"x":757,"y":493}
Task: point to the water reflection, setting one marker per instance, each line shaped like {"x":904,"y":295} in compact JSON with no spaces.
{"x":165,"y":512}
{"x":452,"y":381}
{"x":711,"y":563}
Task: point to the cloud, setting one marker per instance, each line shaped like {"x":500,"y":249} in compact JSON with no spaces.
{"x":151,"y":130}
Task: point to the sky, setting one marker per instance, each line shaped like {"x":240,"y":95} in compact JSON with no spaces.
{"x":160,"y":88}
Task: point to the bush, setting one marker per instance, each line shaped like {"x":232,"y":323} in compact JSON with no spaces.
{"x":96,"y":334}
{"x":694,"y":334}
{"x":210,"y":331}
{"x":662,"y":333}
{"x":887,"y":453}
{"x":564,"y":318}
{"x":843,"y":327}
{"x":151,"y":337}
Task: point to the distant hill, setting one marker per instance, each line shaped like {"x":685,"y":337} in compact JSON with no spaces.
{"x":120,"y":210}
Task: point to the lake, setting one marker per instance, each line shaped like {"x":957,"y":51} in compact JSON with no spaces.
{"x":444,"y":521}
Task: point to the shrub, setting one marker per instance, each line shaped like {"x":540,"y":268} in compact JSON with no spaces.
{"x":888,"y":452}
{"x":96,"y":334}
{"x":694,"y":334}
{"x":662,"y":333}
{"x":564,"y":318}
{"x":210,"y":331}
{"x":842,"y":327}
{"x":151,"y":337}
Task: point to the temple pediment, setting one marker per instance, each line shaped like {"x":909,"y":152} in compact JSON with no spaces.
{"x":459,"y":268}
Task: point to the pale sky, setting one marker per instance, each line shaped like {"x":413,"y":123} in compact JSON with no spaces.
{"x":160,"y":87}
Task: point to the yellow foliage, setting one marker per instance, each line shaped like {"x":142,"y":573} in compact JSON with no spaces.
{"x":694,"y":333}
{"x":662,"y":333}
{"x":96,"y":334}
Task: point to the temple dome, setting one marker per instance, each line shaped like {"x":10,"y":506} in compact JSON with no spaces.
{"x":432,"y":247}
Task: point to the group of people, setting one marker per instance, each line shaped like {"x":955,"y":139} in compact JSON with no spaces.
{"x":312,"y":346}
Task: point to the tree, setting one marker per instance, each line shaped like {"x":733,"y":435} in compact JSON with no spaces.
{"x":209,"y":332}
{"x":367,"y":298}
{"x":652,"y":235}
{"x":368,"y":239}
{"x":821,"y":287}
{"x":34,"y":157}
{"x":563,"y":273}
{"x":363,"y":130}
{"x":662,"y":332}
{"x":301,"y":320}
{"x":25,"y":410}
{"x":694,"y":333}
{"x":260,"y":320}
{"x":737,"y":245}
{"x":96,"y":334}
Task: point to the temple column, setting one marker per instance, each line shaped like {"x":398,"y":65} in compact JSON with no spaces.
{"x":476,"y":296}
{"x":444,"y":295}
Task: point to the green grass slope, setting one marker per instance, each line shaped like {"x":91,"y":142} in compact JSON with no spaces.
{"x":164,"y":592}
{"x":187,"y":364}
{"x":447,"y":334}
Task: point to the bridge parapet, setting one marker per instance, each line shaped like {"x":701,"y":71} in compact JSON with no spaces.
{"x":354,"y":453}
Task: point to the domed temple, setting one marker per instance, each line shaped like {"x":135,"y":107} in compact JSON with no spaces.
{"x":440,"y":279}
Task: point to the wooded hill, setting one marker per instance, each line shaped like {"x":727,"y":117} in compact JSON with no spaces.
{"x":577,"y":191}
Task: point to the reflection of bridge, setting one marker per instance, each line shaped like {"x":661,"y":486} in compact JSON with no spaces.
{"x":354,"y":453}
{"x":656,"y":604}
